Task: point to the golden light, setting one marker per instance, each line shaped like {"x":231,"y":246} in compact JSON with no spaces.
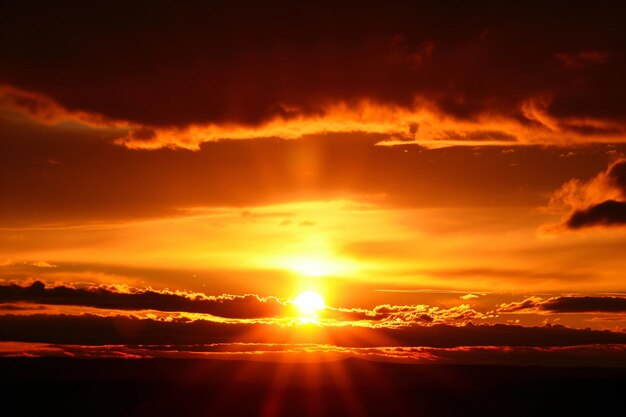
{"x":309,"y":303}
{"x":312,"y":267}
{"x":319,"y":266}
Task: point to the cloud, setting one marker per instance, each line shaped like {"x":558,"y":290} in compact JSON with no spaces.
{"x":608,"y":213}
{"x":395,"y":123}
{"x":585,"y":304}
{"x":45,"y":109}
{"x":38,"y":264}
{"x":372,"y":69}
{"x":400,"y":315}
{"x":21,"y":307}
{"x":231,"y":306}
{"x":583,"y":355}
{"x":228,"y":306}
{"x":567,"y":304}
{"x":599,"y":202}
{"x":515,"y":306}
{"x":251,"y":309}
{"x":469,"y":296}
{"x":95,"y":330}
{"x":43,"y":264}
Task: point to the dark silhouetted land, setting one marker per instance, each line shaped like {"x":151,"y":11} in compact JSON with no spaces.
{"x":172,"y":387}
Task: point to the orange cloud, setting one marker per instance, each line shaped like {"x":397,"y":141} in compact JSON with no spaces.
{"x":403,"y":315}
{"x":422,"y":123}
{"x":46,"y":110}
{"x":599,"y":202}
{"x":226,"y":306}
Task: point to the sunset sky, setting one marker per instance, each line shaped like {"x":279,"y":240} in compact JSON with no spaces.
{"x":450,"y":180}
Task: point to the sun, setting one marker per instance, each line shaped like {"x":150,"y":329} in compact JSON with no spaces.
{"x":309,"y":303}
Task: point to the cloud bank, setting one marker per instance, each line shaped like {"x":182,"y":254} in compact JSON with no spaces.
{"x":225,"y":306}
{"x":178,"y":77}
{"x":89,"y":329}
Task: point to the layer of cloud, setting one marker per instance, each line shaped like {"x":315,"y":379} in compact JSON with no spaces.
{"x":567,"y":304}
{"x":584,"y":355}
{"x":398,"y":315}
{"x":421,"y":124}
{"x":230,"y":306}
{"x":95,"y":330}
{"x":371,"y":69}
{"x":227,"y":306}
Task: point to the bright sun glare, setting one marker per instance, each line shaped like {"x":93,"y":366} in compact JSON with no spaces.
{"x":319,"y":266}
{"x":312,"y":267}
{"x":309,"y":303}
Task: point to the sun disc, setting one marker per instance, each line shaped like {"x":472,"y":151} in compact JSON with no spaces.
{"x":309,"y":302}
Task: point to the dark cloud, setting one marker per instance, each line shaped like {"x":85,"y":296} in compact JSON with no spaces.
{"x":600,"y":201}
{"x":247,"y":306}
{"x":585,"y":304}
{"x":583,"y":355}
{"x":231,"y":306}
{"x":568,"y":304}
{"x":96,"y":330}
{"x":617,"y":175}
{"x":394,"y":315}
{"x":21,"y":307}
{"x":173,"y":65}
{"x":607,"y":213}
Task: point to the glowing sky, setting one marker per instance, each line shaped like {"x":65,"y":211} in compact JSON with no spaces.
{"x":417,"y":168}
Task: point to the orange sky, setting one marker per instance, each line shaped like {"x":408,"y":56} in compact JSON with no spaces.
{"x":410,"y":175}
